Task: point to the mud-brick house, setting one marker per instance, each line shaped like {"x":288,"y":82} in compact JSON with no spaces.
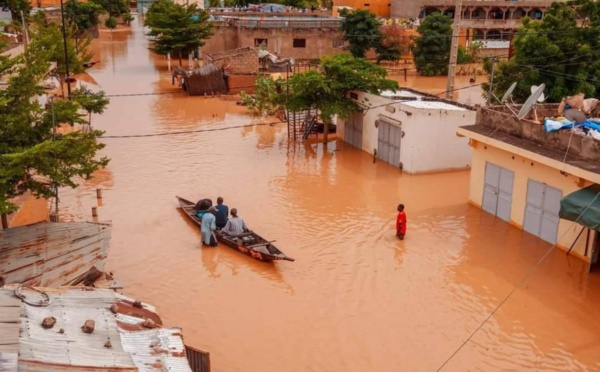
{"x":301,"y":38}
{"x":413,"y":131}
{"x":544,"y":183}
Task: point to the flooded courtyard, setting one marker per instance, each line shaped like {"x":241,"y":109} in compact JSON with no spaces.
{"x":356,"y":299}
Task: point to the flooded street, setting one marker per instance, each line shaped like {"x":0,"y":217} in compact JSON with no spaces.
{"x":356,"y":299}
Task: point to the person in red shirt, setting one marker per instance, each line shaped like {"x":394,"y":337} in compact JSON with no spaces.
{"x":401,"y":222}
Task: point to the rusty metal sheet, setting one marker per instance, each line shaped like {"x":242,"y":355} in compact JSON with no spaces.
{"x":160,"y":349}
{"x":53,"y":254}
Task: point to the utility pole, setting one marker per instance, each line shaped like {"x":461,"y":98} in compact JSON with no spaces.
{"x":454,"y":48}
{"x":64,"y":32}
{"x":25,"y":31}
{"x":491,"y":91}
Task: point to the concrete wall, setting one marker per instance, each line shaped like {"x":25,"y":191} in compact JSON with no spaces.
{"x":319,"y":42}
{"x":524,"y":169}
{"x":429,"y":143}
{"x":405,"y":9}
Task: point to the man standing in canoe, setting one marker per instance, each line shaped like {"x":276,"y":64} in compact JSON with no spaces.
{"x":208,"y":227}
{"x":401,"y":222}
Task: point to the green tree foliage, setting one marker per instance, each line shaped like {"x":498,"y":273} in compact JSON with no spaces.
{"x":82,"y":16}
{"x":91,"y":102}
{"x":114,"y":8}
{"x":554,"y":51}
{"x":431,"y":50}
{"x":48,"y":37}
{"x":111,"y":23}
{"x":177,"y":29}
{"x":17,"y":6}
{"x":30,"y":160}
{"x":327,"y":90}
{"x":266,"y":99}
{"x":361,"y":31}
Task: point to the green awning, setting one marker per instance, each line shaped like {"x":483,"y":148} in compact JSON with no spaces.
{"x":584,"y":202}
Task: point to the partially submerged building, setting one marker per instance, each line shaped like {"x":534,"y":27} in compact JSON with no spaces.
{"x":413,"y":131}
{"x":531,"y":178}
{"x":83,"y":329}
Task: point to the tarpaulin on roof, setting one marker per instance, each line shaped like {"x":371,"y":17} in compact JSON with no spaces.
{"x":582,"y":206}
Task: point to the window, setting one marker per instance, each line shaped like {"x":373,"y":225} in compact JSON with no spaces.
{"x":338,"y":43}
{"x":261,"y":42}
{"x":299,"y":43}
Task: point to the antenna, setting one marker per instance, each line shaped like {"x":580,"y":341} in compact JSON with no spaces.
{"x":531,"y":101}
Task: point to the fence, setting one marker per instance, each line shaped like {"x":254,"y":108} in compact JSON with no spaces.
{"x":199,"y":360}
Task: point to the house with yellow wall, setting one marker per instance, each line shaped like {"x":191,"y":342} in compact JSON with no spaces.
{"x":523,"y":175}
{"x":380,"y":8}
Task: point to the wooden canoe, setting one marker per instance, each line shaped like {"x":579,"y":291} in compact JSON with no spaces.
{"x":251,"y":244}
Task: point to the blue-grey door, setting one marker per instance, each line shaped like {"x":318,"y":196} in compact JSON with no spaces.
{"x":497,"y":191}
{"x":353,"y":129}
{"x":389,"y":137}
{"x":541,"y":211}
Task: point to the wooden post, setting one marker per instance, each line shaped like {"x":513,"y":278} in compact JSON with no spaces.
{"x":99,"y":193}
{"x":53,"y":217}
{"x":94,"y":211}
{"x":4,"y":221}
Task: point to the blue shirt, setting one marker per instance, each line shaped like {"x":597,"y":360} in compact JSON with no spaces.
{"x":222,"y":213}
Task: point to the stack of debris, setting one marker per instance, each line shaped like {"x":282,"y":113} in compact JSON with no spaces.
{"x":578,"y":113}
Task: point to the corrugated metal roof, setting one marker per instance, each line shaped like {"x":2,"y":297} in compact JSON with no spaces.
{"x":10,"y":312}
{"x":65,"y":347}
{"x":434,"y":105}
{"x":52,"y":254}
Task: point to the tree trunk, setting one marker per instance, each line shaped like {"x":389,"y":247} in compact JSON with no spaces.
{"x":90,"y":119}
{"x":4,"y":221}
{"x":180,"y":59}
{"x":325,"y":130}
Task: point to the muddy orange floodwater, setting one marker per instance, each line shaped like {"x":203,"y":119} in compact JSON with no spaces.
{"x":356,"y":299}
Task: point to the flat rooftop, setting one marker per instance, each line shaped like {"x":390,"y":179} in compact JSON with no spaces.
{"x":421,"y":100}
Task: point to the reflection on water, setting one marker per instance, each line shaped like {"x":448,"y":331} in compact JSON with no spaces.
{"x":356,"y":298}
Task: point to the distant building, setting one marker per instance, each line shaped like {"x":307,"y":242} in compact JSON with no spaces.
{"x":288,"y":36}
{"x":483,"y":20}
{"x":380,"y":8}
{"x":410,"y":130}
{"x":521,"y":174}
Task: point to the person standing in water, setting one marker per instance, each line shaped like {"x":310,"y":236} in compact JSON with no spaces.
{"x":208,"y":227}
{"x":401,"y":222}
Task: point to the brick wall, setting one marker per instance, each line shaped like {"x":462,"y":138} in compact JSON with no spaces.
{"x":238,"y":63}
{"x":239,"y":83}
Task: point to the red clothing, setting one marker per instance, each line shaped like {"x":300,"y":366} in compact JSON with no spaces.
{"x":401,"y":223}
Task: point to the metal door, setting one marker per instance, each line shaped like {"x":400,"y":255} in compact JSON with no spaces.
{"x":497,"y":191}
{"x":389,"y":137}
{"x":353,"y":129}
{"x":541,"y":211}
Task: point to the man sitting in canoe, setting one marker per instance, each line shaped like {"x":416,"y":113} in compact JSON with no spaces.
{"x":235,"y":225}
{"x":208,"y":227}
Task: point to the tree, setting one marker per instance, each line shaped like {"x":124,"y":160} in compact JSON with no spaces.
{"x":114,"y":8}
{"x":91,"y":102}
{"x":111,"y":23}
{"x":555,"y":51}
{"x":361,"y":31}
{"x":327,"y":90}
{"x":393,"y":43}
{"x":18,"y":6}
{"x":176,"y":28}
{"x":431,"y":50}
{"x":30,"y":160}
{"x":82,"y":16}
{"x":48,"y":37}
{"x":267,"y":97}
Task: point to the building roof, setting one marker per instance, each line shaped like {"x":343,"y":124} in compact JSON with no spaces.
{"x":572,"y":164}
{"x":120,"y":341}
{"x":53,"y":253}
{"x":434,"y":105}
{"x":422,"y":100}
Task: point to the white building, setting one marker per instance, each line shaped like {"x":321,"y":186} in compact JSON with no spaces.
{"x":410,"y":130}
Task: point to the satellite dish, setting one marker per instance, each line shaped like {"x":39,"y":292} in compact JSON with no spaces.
{"x":533,"y":98}
{"x":542,"y":98}
{"x":509,"y":92}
